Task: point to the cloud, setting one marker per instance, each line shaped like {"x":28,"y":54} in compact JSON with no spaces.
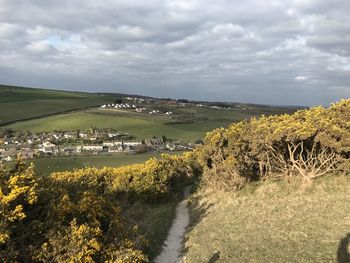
{"x":300,"y":78}
{"x":275,"y":52}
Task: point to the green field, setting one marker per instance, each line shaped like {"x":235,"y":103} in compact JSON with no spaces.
{"x":17,"y":103}
{"x":142,"y":126}
{"x":57,"y":164}
{"x":286,"y":221}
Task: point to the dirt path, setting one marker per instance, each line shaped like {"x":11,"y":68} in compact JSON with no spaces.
{"x":173,"y":244}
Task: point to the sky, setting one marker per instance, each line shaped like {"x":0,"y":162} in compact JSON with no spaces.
{"x":290,"y":52}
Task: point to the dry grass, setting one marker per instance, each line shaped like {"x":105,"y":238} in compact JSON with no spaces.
{"x":271,"y":222}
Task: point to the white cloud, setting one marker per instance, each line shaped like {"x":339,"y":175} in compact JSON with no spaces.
{"x":300,"y":78}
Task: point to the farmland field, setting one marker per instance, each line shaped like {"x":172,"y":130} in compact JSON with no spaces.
{"x":193,"y":125}
{"x":57,"y":164}
{"x":18,"y":103}
{"x":140,"y":125}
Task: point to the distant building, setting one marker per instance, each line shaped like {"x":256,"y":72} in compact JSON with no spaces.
{"x":154,"y":141}
{"x":48,"y":144}
{"x":69,"y":150}
{"x":48,"y":148}
{"x":112,"y":134}
{"x":83,"y":134}
{"x":115,"y":149}
{"x":132,"y":143}
{"x":68,"y":135}
{"x":171,"y":146}
{"x":90,"y":148}
{"x":27,"y":153}
{"x":57,"y":135}
{"x":8,"y":159}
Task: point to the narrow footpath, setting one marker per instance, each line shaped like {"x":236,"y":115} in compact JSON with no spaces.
{"x":171,"y":252}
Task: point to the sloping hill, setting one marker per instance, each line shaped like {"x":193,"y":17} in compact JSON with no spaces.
{"x":18,"y":103}
{"x":272,"y":222}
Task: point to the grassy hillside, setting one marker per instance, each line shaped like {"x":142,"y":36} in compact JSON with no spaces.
{"x":17,"y":103}
{"x":284,"y":183}
{"x":272,"y":222}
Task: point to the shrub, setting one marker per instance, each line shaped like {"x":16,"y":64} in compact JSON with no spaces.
{"x":308,"y":143}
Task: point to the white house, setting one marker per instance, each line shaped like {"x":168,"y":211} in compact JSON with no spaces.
{"x":108,"y":144}
{"x":57,"y":135}
{"x":215,"y":107}
{"x":27,"y":153}
{"x":89,"y":148}
{"x":8,"y":159}
{"x":112,"y":134}
{"x":48,"y":144}
{"x":171,"y":146}
{"x":68,"y":135}
{"x":132,"y":143}
{"x":83,"y":134}
{"x":115,"y":149}
{"x":48,"y":148}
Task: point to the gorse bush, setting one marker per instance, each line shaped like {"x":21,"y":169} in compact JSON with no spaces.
{"x":150,"y":181}
{"x":308,"y":143}
{"x":18,"y":193}
{"x":76,"y":216}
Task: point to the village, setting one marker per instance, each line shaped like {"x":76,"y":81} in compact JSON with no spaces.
{"x":30,"y":145}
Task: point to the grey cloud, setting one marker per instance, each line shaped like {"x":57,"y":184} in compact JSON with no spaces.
{"x":276,"y":52}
